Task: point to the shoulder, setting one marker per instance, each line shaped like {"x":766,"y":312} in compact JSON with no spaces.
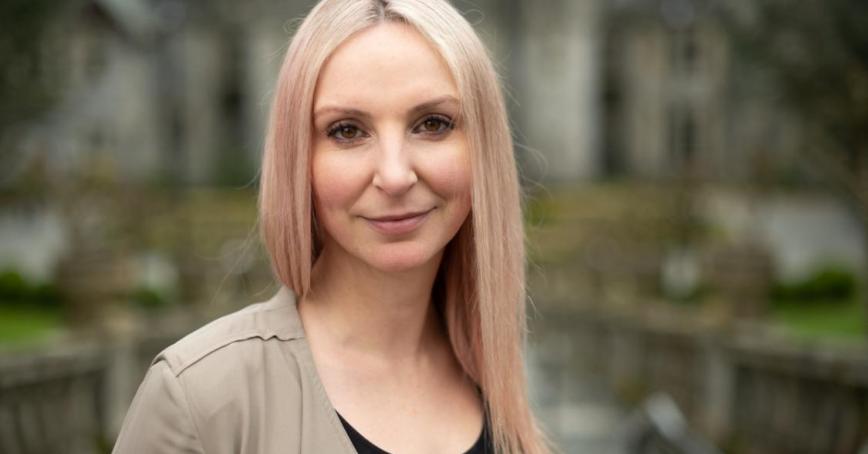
{"x":219,"y":387}
{"x":249,"y":359}
{"x":249,"y":328}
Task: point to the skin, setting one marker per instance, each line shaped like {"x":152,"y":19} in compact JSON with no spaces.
{"x":388,"y":140}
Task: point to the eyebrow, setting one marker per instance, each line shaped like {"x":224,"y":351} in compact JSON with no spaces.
{"x":440,"y":100}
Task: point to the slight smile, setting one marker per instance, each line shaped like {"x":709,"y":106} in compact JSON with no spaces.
{"x":398,"y":224}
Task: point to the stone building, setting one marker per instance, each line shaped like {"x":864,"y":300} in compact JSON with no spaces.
{"x":666,"y":79}
{"x":164,"y":90}
{"x":677,"y":95}
{"x":177,"y":90}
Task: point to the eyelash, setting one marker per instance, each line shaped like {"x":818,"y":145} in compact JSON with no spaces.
{"x":336,"y":128}
{"x":446,"y":125}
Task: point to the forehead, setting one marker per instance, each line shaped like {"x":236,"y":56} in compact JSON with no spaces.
{"x":390,"y":62}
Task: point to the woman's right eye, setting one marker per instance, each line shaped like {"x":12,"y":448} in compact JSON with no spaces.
{"x":345,"y":132}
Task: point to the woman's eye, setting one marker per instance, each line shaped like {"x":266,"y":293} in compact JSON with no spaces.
{"x":345,"y":132}
{"x":434,"y":124}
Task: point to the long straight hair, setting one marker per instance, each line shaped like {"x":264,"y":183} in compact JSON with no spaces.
{"x":481,"y":280}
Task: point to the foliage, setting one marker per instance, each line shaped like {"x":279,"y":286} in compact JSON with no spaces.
{"x":20,"y":325}
{"x":827,"y":284}
{"x":824,"y":319}
{"x":148,"y":298}
{"x":26,"y":324}
{"x":823,"y":305}
{"x":15,"y":289}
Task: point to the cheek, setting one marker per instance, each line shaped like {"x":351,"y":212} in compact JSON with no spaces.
{"x":334,"y":183}
{"x":449,"y":175}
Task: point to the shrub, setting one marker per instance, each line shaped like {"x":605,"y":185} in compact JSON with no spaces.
{"x":827,"y":284}
{"x":14,"y":288}
{"x":148,"y":298}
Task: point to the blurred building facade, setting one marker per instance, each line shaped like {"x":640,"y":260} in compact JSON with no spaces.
{"x":177,"y":91}
{"x":666,"y":75}
{"x":167,"y":91}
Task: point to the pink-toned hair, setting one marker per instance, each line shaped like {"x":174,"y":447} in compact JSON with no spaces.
{"x":481,"y":282}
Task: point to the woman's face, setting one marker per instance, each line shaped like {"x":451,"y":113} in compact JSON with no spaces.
{"x":391,"y":171}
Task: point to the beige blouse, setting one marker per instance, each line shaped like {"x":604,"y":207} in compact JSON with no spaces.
{"x":244,"y":383}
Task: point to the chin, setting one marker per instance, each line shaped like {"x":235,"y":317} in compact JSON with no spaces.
{"x":397,"y":258}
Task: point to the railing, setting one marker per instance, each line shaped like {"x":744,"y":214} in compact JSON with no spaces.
{"x":748,"y":393}
{"x":53,"y":402}
{"x":71,"y":400}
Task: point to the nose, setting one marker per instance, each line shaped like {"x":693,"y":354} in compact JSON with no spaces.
{"x":394,"y":174}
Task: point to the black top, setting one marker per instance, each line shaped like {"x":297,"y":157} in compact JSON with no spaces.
{"x":363,"y":446}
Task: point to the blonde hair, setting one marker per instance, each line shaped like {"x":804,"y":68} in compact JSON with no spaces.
{"x":481,"y":281}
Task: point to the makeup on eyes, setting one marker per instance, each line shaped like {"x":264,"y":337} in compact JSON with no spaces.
{"x":343,"y":127}
{"x":444,"y":123}
{"x":347,"y":131}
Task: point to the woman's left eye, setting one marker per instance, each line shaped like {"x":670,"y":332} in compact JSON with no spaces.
{"x":434,"y":125}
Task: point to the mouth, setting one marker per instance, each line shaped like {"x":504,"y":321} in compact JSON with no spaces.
{"x":398,"y":224}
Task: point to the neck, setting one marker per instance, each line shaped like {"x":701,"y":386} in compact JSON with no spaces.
{"x":363,"y":310}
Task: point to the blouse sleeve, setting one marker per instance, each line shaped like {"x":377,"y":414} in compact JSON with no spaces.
{"x":159,"y":419}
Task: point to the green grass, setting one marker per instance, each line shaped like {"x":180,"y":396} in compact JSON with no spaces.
{"x":24,"y":325}
{"x":831,"y":320}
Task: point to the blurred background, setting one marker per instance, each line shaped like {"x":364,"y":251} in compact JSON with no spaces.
{"x":697,"y":189}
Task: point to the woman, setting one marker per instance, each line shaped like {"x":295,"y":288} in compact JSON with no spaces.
{"x":390,"y":207}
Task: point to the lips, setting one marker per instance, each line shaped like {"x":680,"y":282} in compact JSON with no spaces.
{"x":398,"y":224}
